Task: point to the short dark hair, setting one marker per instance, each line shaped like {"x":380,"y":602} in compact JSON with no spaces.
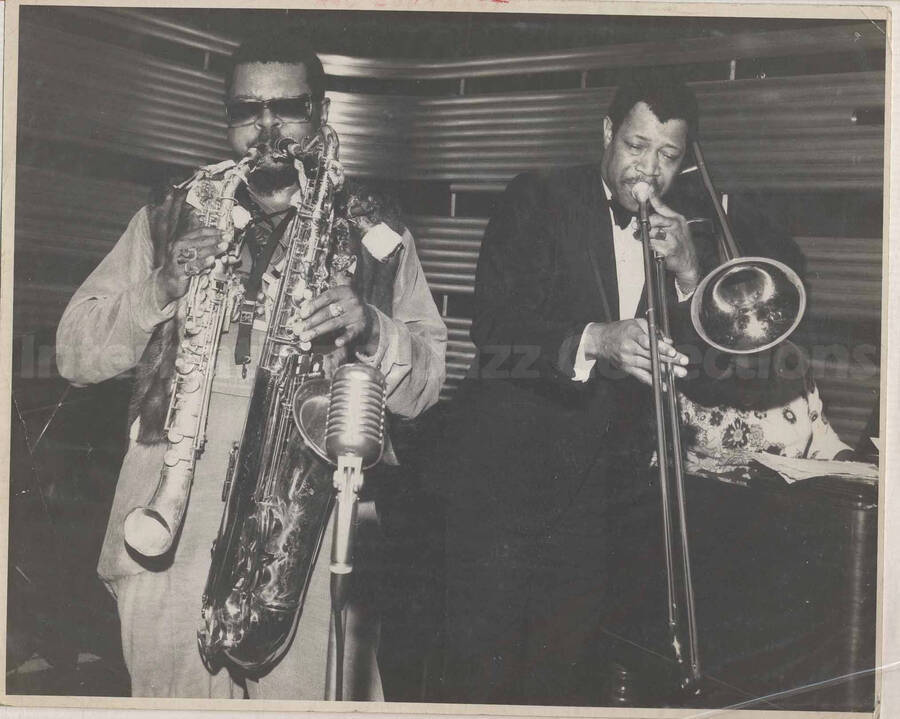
{"x":664,"y":93}
{"x":289,"y":45}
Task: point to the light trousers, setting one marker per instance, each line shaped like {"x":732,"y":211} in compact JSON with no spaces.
{"x":159,"y":614}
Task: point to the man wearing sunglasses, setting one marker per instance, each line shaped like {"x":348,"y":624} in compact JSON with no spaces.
{"x":122,"y":317}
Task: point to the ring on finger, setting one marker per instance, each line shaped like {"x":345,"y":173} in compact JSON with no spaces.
{"x":336,"y":309}
{"x":185,"y":255}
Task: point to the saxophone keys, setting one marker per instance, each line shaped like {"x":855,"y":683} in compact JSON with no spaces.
{"x":171,"y":457}
{"x":184,"y":366}
{"x":294,"y":325}
{"x":205,"y":298}
{"x":300,"y":292}
{"x":190,"y":384}
{"x":336,"y":173}
{"x":174,"y":436}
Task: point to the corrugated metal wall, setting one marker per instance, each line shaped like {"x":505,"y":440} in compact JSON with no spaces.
{"x":780,"y":134}
{"x":777,"y":133}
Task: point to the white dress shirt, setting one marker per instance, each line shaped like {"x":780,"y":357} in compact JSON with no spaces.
{"x":629,"y":258}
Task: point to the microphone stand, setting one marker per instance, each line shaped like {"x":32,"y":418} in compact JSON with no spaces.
{"x":354,"y":440}
{"x":348,"y":481}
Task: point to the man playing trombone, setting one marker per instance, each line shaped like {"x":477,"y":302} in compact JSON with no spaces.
{"x":547,"y":439}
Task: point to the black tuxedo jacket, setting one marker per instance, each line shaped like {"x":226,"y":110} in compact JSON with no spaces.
{"x":523,"y":434}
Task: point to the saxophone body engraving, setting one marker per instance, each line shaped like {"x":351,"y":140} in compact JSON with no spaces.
{"x":204,"y":312}
{"x":279,"y":495}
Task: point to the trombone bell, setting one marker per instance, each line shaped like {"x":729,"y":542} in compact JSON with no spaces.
{"x":748,"y":304}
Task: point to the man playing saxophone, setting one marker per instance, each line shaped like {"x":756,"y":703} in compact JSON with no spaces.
{"x":126,"y":316}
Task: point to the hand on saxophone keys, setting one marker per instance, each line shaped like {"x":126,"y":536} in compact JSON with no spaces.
{"x":340,"y":310}
{"x":191,"y":254}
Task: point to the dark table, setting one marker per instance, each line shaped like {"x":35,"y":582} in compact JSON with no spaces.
{"x":784,"y":580}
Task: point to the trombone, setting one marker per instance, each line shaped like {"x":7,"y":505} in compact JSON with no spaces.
{"x":680,"y":609}
{"x":745,"y":305}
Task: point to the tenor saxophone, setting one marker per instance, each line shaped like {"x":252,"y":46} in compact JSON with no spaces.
{"x":278,"y":495}
{"x":205,"y":308}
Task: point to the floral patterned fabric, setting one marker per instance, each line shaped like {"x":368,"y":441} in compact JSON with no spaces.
{"x":725,"y":421}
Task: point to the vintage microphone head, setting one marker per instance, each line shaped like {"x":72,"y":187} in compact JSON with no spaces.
{"x":641,"y":192}
{"x":355,"y":424}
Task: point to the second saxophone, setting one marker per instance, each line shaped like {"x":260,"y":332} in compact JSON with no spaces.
{"x":151,"y":529}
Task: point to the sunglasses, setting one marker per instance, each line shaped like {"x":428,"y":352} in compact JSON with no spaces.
{"x":242,"y":111}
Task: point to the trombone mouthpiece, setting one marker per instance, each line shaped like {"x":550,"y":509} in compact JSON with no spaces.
{"x":641,"y":192}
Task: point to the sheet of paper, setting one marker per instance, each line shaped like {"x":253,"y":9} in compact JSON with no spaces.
{"x":794,"y":470}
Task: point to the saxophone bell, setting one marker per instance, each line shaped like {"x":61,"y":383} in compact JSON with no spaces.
{"x":309,"y":409}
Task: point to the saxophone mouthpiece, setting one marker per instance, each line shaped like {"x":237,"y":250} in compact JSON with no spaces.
{"x":288,"y":147}
{"x":283,"y":145}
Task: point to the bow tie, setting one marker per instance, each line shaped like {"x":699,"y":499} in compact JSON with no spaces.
{"x":622,"y":215}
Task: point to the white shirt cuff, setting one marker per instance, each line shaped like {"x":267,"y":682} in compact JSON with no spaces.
{"x":583,"y":365}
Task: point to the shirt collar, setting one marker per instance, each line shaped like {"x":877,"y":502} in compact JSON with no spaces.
{"x":609,"y":200}
{"x":606,"y":190}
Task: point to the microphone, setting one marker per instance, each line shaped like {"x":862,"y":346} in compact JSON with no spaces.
{"x":355,"y":424}
{"x":354,"y":441}
{"x":641,"y":192}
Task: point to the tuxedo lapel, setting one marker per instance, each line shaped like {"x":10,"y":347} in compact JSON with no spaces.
{"x":598,"y":244}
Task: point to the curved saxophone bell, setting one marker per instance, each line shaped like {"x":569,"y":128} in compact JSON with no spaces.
{"x":310,"y":411}
{"x":151,"y":529}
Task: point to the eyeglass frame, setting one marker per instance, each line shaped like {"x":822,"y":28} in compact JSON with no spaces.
{"x":266,"y":103}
